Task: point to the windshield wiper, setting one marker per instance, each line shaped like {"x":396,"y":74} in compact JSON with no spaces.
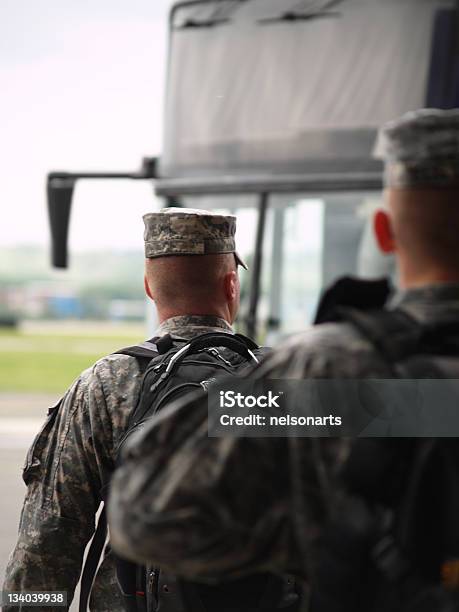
{"x":297,"y":17}
{"x":207,"y":23}
{"x":292,"y":15}
{"x":218,"y":17}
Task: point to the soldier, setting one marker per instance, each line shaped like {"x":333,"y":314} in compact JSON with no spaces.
{"x":237,"y":505}
{"x":191,"y":275}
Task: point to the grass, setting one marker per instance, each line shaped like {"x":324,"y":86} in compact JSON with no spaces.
{"x":47,"y":359}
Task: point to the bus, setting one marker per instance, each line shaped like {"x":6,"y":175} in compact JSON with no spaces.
{"x":271,"y":113}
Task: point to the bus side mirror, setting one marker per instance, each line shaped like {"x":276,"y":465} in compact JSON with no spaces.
{"x":60,"y":186}
{"x":59,"y":192}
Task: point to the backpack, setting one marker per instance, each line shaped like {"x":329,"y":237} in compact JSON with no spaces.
{"x":172,"y":367}
{"x":392,"y":540}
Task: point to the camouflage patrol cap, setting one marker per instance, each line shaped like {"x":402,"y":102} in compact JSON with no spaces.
{"x":421,"y":149}
{"x":189,"y":231}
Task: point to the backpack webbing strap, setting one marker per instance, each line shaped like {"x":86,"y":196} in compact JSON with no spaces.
{"x":145,"y":350}
{"x":393,"y":333}
{"x":140,"y":588}
{"x":406,"y":345}
{"x":126,"y":577}
{"x":148,"y":350}
{"x":247,"y":341}
{"x":237,"y":344}
{"x":92,"y":560}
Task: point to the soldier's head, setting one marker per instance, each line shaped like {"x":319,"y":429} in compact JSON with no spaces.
{"x":421,"y":221}
{"x":191,"y":263}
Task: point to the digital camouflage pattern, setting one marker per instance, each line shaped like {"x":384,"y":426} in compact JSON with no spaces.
{"x":70,"y":460}
{"x":212,"y":508}
{"x":189,"y":231}
{"x":192,"y":326}
{"x":421,"y":149}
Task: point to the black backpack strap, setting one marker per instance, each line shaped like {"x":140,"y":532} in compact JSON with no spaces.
{"x":148,"y":350}
{"x":235,"y":343}
{"x":393,"y":333}
{"x":402,"y":341}
{"x":126,"y":576}
{"x":167,"y":342}
{"x":141,"y":588}
{"x":95,"y":552}
{"x":253,"y":346}
{"x":144,"y":353}
{"x":160,"y":345}
{"x":449,"y":450}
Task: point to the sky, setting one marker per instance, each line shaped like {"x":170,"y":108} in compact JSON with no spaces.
{"x":82,"y":85}
{"x":82,"y":88}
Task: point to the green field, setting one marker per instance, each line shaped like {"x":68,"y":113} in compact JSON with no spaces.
{"x":47,"y":358}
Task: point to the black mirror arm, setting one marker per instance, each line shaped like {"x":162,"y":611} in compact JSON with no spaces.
{"x":60,"y":187}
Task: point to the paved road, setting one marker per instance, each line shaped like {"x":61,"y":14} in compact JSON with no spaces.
{"x":21,"y":416}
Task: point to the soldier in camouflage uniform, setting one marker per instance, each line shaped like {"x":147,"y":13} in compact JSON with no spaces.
{"x":191,"y":274}
{"x":220,"y":507}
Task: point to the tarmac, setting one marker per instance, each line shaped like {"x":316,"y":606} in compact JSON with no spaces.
{"x":21,"y":416}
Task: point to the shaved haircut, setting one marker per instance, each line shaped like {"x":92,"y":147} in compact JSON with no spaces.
{"x":178,"y":281}
{"x":426,"y":224}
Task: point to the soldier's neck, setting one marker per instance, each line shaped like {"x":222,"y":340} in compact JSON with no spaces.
{"x":414,"y":277}
{"x":221,"y":313}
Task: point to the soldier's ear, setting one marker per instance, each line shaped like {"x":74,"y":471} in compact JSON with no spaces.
{"x":382,"y":226}
{"x":147,"y":287}
{"x":231,"y":286}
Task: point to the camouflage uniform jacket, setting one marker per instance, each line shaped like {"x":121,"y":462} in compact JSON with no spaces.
{"x":66,"y":467}
{"x":221,"y":507}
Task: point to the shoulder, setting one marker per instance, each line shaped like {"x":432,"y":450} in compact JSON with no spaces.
{"x":104,"y":394}
{"x":111,"y":374}
{"x":82,"y":431}
{"x":328,"y":350}
{"x":116,"y":371}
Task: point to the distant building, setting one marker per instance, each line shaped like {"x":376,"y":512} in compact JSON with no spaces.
{"x":126,"y":310}
{"x":59,"y":300}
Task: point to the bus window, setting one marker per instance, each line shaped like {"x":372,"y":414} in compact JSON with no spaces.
{"x":309,"y":243}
